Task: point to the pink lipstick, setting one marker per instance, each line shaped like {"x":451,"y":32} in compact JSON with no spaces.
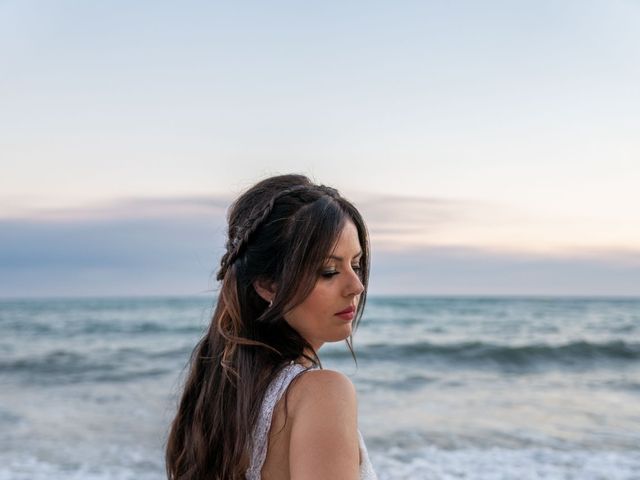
{"x":347,"y":314}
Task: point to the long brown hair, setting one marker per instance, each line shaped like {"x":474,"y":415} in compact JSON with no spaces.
{"x":280,"y":230}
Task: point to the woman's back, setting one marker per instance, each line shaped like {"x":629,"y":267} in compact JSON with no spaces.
{"x":320,"y":438}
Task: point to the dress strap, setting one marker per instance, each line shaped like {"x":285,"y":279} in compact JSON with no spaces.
{"x":274,"y":392}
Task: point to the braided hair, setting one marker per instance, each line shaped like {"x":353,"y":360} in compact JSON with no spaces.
{"x":241,"y":235}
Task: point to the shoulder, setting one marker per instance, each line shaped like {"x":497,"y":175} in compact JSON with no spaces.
{"x":324,"y":426}
{"x":319,"y":379}
{"x":321,"y":390}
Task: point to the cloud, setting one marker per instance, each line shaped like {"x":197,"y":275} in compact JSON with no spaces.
{"x":469,"y":271}
{"x":401,"y":222}
{"x":126,"y":208}
{"x":137,"y":246}
{"x":398,"y":221}
{"x":420,"y":212}
{"x":173,"y":246}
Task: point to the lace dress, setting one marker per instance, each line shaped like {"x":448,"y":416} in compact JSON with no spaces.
{"x":274,"y":392}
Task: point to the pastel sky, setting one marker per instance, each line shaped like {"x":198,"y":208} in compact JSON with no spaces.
{"x":492,"y":146}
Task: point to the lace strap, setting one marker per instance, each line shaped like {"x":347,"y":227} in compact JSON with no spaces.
{"x":274,"y":392}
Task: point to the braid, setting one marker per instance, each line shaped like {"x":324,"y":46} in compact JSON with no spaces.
{"x":330,"y":191}
{"x":237,"y":242}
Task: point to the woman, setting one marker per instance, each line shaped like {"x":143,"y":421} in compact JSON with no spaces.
{"x":257,"y":403}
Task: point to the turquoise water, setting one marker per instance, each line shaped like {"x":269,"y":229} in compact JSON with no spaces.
{"x":482,"y":388}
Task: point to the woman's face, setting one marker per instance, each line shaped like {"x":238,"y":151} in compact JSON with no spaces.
{"x":338,"y":288}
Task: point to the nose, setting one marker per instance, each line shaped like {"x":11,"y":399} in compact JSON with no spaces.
{"x":354,"y":285}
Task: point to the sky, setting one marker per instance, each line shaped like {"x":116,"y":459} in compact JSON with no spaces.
{"x":492,"y":147}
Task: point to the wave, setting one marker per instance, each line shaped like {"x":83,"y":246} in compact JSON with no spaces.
{"x":127,"y":363}
{"x":43,"y":329}
{"x":480,"y":353}
{"x":491,"y":462}
{"x":62,"y":366}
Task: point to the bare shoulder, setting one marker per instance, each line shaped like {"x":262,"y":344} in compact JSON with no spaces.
{"x":322,"y":389}
{"x":324,"y":438}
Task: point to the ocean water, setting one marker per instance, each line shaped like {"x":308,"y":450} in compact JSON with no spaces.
{"x":448,"y":388}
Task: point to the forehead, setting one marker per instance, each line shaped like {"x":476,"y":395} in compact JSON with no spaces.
{"x":348,"y":242}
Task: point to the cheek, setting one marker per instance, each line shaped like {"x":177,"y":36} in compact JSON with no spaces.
{"x":318,"y":301}
{"x":314,"y":309}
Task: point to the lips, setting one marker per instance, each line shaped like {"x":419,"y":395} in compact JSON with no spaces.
{"x":350,"y":309}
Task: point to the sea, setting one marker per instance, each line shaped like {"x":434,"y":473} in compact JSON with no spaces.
{"x":448,"y":387}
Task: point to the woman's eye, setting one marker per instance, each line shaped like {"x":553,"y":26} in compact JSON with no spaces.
{"x":329,"y":273}
{"x":332,"y":272}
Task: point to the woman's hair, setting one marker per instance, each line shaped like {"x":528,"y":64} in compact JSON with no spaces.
{"x":281,"y":231}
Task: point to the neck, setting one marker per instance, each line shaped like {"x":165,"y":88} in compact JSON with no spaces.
{"x":303,"y":361}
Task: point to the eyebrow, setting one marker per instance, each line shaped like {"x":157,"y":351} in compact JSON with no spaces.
{"x":334,"y":257}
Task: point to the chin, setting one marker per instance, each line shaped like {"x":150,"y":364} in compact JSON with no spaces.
{"x":341,"y":335}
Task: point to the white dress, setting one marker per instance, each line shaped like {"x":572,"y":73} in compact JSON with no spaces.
{"x":260,"y":439}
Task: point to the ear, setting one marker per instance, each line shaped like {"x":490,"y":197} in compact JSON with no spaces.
{"x":266,"y":289}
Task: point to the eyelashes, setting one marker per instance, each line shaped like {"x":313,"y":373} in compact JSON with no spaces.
{"x":331,"y":273}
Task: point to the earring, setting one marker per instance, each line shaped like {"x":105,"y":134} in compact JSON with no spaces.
{"x":270,"y":303}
